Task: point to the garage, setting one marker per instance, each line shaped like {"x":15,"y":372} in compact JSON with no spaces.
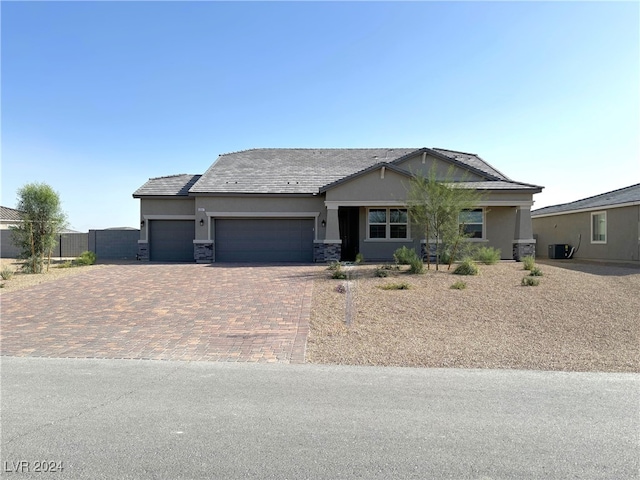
{"x":264,"y":240}
{"x":171,"y":240}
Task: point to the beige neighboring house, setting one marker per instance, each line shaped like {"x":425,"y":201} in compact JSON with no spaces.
{"x":604,"y":227}
{"x":8,"y":217}
{"x":318,"y":205}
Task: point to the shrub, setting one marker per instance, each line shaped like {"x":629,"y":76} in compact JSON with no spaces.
{"x":67,"y":264}
{"x":530,"y":281}
{"x":335,"y":265}
{"x":536,"y":272}
{"x":6,"y":273}
{"x":395,"y":286}
{"x":416,"y":265}
{"x":359,"y":259}
{"x":459,"y":285}
{"x":488,"y":255}
{"x":467,"y":267}
{"x":338,"y":273}
{"x":528,"y":262}
{"x":404,"y":256}
{"x":381,"y":272}
{"x":33,"y":264}
{"x":86,"y":258}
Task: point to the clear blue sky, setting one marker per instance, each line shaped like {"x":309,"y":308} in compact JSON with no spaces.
{"x":99,"y":96}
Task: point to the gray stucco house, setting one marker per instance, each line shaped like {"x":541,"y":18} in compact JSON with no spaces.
{"x":603,"y":227}
{"x":306,"y":205}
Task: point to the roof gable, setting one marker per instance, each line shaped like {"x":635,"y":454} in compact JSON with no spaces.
{"x":626,"y":195}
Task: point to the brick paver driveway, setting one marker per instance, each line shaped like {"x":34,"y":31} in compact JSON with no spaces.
{"x":159,"y":311}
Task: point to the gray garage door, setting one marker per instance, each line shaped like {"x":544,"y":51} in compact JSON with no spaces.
{"x":264,"y":240}
{"x":171,"y":240}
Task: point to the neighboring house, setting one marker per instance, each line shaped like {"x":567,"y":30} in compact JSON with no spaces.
{"x":9,"y":217}
{"x":304,"y":205}
{"x":603,"y":227}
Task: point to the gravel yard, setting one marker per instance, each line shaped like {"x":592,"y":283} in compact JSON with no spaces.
{"x":20,"y":280}
{"x":575,"y":320}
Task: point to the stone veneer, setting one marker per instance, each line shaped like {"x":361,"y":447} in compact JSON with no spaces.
{"x":203,"y":252}
{"x":432,"y":252}
{"x":143,"y":252}
{"x":523,"y":250}
{"x":326,"y":252}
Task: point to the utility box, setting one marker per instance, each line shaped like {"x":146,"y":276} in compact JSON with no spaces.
{"x":559,"y":251}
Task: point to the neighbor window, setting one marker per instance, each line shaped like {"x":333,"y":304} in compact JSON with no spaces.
{"x":388,"y":223}
{"x":472,"y":223}
{"x":599,"y":227}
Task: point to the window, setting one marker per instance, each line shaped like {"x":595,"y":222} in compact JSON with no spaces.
{"x":388,"y":223}
{"x":472,"y":223}
{"x":599,"y":227}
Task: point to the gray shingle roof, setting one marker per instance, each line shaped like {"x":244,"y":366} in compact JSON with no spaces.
{"x":306,"y":171}
{"x":629,"y":194}
{"x":9,"y":214}
{"x":172,"y":185}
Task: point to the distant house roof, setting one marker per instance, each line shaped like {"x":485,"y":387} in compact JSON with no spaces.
{"x":622,"y":196}
{"x":10,"y":214}
{"x":308,"y":171}
{"x":172,"y":185}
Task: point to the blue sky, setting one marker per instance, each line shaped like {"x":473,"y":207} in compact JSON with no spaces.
{"x":99,"y":96}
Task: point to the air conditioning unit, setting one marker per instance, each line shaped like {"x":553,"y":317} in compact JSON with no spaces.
{"x":560,"y":251}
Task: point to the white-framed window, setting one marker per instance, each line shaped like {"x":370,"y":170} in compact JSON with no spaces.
{"x":387,"y":223}
{"x":472,"y":223}
{"x":599,"y":227}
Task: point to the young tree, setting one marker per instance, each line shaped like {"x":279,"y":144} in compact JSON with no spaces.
{"x":436,"y":207}
{"x":42,"y":219}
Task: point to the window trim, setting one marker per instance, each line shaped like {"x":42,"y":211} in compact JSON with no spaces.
{"x":483,"y":238}
{"x":388,"y":223}
{"x":599,"y":242}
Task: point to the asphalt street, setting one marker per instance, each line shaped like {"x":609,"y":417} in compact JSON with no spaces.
{"x":132,"y":419}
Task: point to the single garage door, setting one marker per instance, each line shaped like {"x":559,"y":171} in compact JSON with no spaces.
{"x":264,"y":240}
{"x":171,"y":240}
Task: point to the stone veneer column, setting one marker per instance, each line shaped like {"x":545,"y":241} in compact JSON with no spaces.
{"x":143,"y":251}
{"x":523,"y":244}
{"x":203,"y":251}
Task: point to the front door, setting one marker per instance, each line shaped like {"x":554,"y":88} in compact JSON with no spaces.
{"x":349,"y":220}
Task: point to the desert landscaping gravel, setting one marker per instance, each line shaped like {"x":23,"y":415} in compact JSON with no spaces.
{"x":20,"y":280}
{"x":582,"y":318}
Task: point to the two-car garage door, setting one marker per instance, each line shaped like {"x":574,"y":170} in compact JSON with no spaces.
{"x":264,"y":240}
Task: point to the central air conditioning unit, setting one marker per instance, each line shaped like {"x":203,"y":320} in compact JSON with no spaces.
{"x":559,"y":251}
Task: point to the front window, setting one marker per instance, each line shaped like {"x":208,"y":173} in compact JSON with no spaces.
{"x":388,"y":223}
{"x":599,"y":227}
{"x":472,"y":223}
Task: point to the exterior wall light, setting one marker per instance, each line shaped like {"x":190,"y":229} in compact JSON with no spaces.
{"x":201,"y":222}
{"x":142,"y":223}
{"x":323,"y":223}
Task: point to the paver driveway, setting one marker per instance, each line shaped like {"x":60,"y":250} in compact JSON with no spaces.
{"x":159,"y":311}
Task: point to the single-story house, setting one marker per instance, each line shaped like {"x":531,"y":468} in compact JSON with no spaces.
{"x":318,"y":205}
{"x":9,"y":217}
{"x":604,"y":227}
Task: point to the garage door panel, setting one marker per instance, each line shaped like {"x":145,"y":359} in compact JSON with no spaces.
{"x":264,"y":240}
{"x":171,"y":240}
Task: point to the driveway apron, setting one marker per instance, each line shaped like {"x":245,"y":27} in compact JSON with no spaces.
{"x":165,"y":312}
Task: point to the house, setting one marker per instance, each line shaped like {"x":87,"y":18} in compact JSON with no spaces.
{"x":9,"y":217}
{"x":304,"y":205}
{"x":605,"y":227}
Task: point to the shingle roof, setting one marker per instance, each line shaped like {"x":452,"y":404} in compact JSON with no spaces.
{"x":624,"y":195}
{"x":306,"y":171}
{"x":172,"y":185}
{"x":9,"y":214}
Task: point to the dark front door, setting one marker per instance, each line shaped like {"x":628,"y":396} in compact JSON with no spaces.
{"x":349,"y":220}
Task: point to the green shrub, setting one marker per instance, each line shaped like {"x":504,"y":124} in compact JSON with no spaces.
{"x":67,"y":264}
{"x":6,"y":273}
{"x":86,"y":258}
{"x":404,"y":256}
{"x":466,"y":267}
{"x":528,"y":262}
{"x":488,"y":255}
{"x":530,"y":282}
{"x":338,"y":273}
{"x":416,"y":265}
{"x":536,"y":272}
{"x":381,"y":272}
{"x":334,"y":265}
{"x":33,"y":264}
{"x":459,"y":285}
{"x":359,"y":259}
{"x":395,"y":286}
